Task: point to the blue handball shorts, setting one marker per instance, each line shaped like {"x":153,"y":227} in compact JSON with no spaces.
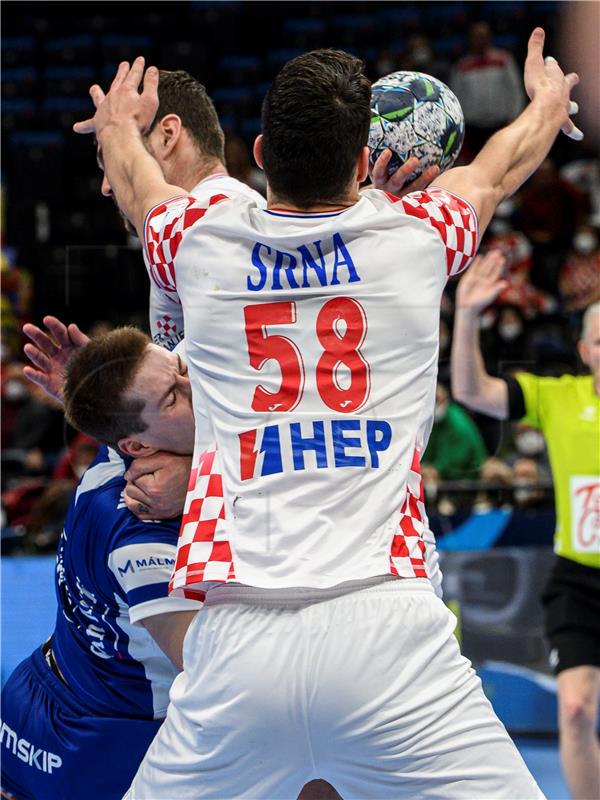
{"x":52,"y":749}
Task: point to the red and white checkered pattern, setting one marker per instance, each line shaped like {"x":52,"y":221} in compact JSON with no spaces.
{"x":453,"y":218}
{"x":203,"y":550}
{"x":163,"y":232}
{"x":408,"y":552}
{"x":166,"y":325}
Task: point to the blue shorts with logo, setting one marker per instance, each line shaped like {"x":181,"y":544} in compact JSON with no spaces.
{"x":51,"y":748}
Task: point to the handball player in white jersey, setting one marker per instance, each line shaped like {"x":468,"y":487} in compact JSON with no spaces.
{"x":311,"y":339}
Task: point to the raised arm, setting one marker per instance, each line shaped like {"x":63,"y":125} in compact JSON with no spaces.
{"x":121,"y":117}
{"x":471,"y":384}
{"x":512,"y":154}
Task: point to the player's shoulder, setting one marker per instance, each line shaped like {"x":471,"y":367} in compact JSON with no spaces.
{"x":226,"y":185}
{"x":556,"y":388}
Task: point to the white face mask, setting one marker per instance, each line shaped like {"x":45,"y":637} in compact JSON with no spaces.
{"x":510,"y":331}
{"x":585,"y":242}
{"x":523,"y":495}
{"x":79,"y":469}
{"x":421,"y":55}
{"x":14,"y":391}
{"x":529,"y":443}
{"x":499,"y":227}
{"x":440,"y":411}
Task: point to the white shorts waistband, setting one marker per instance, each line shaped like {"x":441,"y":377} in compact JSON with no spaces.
{"x":304,"y":595}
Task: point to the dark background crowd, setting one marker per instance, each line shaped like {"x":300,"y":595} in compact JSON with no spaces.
{"x":65,"y":252}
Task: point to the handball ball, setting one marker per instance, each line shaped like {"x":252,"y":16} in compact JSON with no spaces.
{"x":414,"y":114}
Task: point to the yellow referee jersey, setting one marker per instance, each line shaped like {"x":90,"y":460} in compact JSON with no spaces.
{"x":567,"y":411}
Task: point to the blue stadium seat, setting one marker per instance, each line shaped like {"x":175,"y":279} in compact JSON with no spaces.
{"x":70,"y":49}
{"x":17,"y":112}
{"x":45,"y":140}
{"x":17,"y":50}
{"x":18,"y":82}
{"x":277,"y":58}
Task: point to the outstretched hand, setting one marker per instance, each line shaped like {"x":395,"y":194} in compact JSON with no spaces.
{"x":123,"y":101}
{"x":396,"y":183}
{"x":49,"y":353}
{"x":482,"y":282}
{"x":545,"y":74}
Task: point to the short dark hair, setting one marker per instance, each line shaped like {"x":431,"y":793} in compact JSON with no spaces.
{"x":179,"y":93}
{"x":97,"y":378}
{"x":315,"y":120}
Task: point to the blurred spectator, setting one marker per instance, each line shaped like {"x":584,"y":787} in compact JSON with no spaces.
{"x":496,"y":475}
{"x":455,"y":448}
{"x":517,"y":251}
{"x":529,"y":442}
{"x":550,"y":212}
{"x":76,"y":459}
{"x":239,"y":164}
{"x":35,"y":434}
{"x":419,"y":56}
{"x":488,"y":84}
{"x":47,"y":517}
{"x":579,"y":279}
{"x":526,"y":478}
{"x":17,"y":294}
{"x":584,"y":175}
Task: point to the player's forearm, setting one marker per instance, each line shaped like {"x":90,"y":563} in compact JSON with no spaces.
{"x":471,"y":384}
{"x":135,"y":177}
{"x":512,"y":154}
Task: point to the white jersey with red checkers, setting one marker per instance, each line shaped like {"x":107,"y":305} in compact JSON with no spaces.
{"x":311,"y":342}
{"x":166,"y":315}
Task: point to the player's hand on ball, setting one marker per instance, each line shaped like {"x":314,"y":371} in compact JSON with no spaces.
{"x":124,"y":103}
{"x":482,"y":282}
{"x":545,"y":75}
{"x":157,"y":485}
{"x":49,"y":352}
{"x":396,"y":183}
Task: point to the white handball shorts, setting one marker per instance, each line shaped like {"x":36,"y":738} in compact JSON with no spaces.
{"x":364,"y":687}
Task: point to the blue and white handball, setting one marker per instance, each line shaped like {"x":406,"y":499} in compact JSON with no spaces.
{"x":414,"y":114}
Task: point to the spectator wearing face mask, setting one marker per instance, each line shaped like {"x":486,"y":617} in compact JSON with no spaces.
{"x":508,"y":342}
{"x":579,"y":280}
{"x":526,"y":477}
{"x":419,"y":56}
{"x":456,"y":447}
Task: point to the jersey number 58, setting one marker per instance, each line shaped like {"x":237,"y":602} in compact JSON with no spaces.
{"x":341,"y":329}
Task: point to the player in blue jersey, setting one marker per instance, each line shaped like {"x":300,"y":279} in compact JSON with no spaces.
{"x":80,"y":712}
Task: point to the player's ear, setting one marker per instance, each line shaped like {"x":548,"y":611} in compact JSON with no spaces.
{"x":170,"y":129}
{"x":363,"y":165}
{"x":257,"y":150}
{"x":134,"y":448}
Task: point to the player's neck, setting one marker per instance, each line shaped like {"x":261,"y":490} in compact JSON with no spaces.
{"x":190,"y":178}
{"x":277,"y":202}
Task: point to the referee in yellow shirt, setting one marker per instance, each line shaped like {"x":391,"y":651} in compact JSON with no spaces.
{"x":567,"y":411}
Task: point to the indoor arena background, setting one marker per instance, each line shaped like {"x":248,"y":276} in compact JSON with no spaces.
{"x":64,"y":252}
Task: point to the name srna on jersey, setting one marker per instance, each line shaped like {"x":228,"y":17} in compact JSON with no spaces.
{"x":318,"y":444}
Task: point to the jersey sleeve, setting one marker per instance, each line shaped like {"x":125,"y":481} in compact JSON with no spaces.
{"x":166,"y":318}
{"x":532,"y":388}
{"x":452,"y":217}
{"x":142,"y":563}
{"x":164,"y":228}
